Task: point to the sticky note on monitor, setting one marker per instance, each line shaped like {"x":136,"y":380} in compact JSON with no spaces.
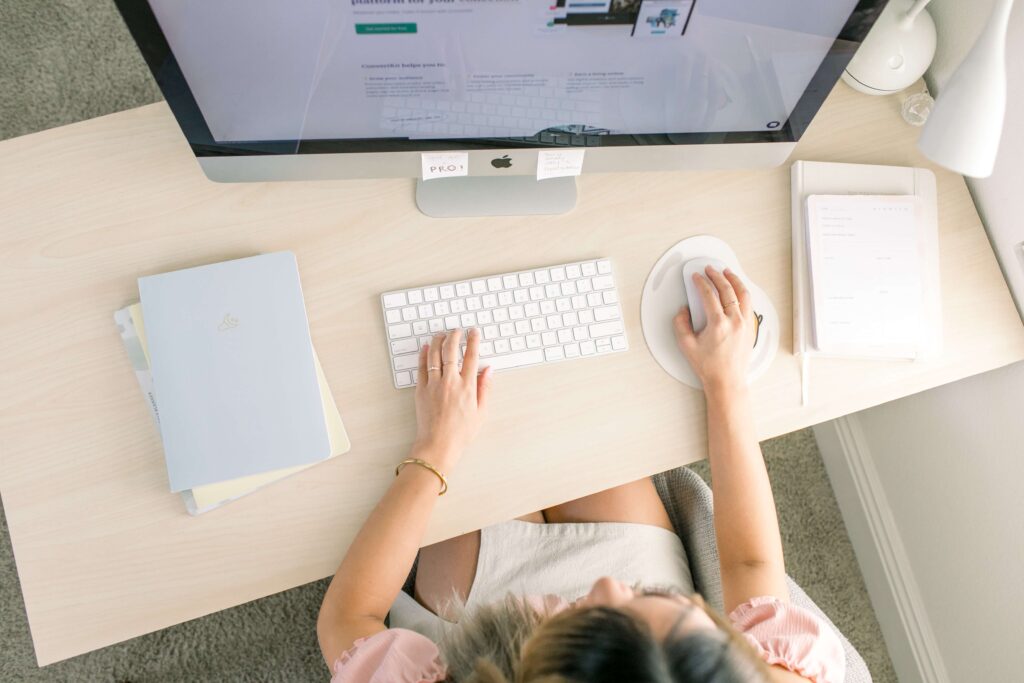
{"x":558,"y":163}
{"x":444,"y":164}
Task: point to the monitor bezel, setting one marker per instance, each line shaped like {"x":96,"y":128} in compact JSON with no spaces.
{"x":145,"y":30}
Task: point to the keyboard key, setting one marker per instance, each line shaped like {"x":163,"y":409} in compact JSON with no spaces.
{"x":532,"y":309}
{"x":514,"y":360}
{"x":554,"y":322}
{"x":441,"y":308}
{"x":547,"y":307}
{"x":501,"y":346}
{"x":451,"y":322}
{"x":516,"y":313}
{"x":536,"y":293}
{"x":603,"y":282}
{"x":570,"y":319}
{"x":604,"y":267}
{"x":494,"y":284}
{"x":404,"y":346}
{"x":554,"y":353}
{"x":491,"y":332}
{"x":568,"y":288}
{"x":579,"y":302}
{"x":400,"y":330}
{"x":571,"y":350}
{"x":473,"y":303}
{"x":447,"y":291}
{"x":552,"y":290}
{"x":563,"y":305}
{"x":504,"y":298}
{"x":532,"y":341}
{"x":610,"y":297}
{"x":395,"y":300}
{"x":604,"y":345}
{"x":564,"y":336}
{"x":486,"y":349}
{"x":479,"y":286}
{"x":572,"y":271}
{"x":521,"y":296}
{"x":394,"y":316}
{"x":500,"y":315}
{"x":458,"y":305}
{"x":425,"y":310}
{"x":468,"y":320}
{"x":402,"y":379}
{"x":586,"y":317}
{"x":409,"y":314}
{"x":526,"y":279}
{"x":589,"y":269}
{"x":618,"y":343}
{"x":588,"y":348}
{"x":484,"y":318}
{"x":407,"y":362}
{"x":435,"y":325}
{"x":420,"y":327}
{"x":606,"y":329}
{"x":583,"y":286}
{"x":557,"y":274}
{"x":522,"y":327}
{"x":548,"y":338}
{"x":462,"y":289}
{"x":606,"y":313}
{"x":507,"y":329}
{"x":580,"y":334}
{"x":517,"y":343}
{"x":594,"y":299}
{"x":511,"y":281}
{"x":489,"y":300}
{"x":415,"y":296}
{"x":542,"y":277}
{"x":430,"y":294}
{"x":538,"y":324}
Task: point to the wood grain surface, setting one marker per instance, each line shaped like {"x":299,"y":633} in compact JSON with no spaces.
{"x":105,"y":552}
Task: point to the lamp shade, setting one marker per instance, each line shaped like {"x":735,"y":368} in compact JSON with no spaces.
{"x":963,"y":130}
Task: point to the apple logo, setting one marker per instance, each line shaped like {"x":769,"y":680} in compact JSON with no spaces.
{"x":503,"y":162}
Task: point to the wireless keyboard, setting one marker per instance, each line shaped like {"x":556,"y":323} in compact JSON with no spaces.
{"x":529,"y":317}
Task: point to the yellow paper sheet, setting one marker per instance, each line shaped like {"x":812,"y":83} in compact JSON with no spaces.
{"x":211,"y":494}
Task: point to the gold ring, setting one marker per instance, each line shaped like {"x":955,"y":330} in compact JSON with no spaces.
{"x":448,"y":362}
{"x":432,"y":368}
{"x":731,"y":303}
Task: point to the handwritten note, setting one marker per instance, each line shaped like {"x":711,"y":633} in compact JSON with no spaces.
{"x":558,"y":163}
{"x":445,"y":164}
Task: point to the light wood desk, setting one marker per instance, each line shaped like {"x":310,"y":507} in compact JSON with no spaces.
{"x":105,"y":552}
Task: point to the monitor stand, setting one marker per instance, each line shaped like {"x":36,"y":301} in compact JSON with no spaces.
{"x":514,"y":195}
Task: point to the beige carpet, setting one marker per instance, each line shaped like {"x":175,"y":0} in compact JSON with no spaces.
{"x":64,"y":61}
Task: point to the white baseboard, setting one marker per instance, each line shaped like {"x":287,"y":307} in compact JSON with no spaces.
{"x":880,"y":552}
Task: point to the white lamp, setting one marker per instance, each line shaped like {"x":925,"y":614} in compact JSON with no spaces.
{"x":896,"y":52}
{"x":963,"y":130}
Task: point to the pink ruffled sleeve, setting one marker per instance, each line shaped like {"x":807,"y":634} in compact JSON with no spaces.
{"x":393,"y":656}
{"x":792,"y":637}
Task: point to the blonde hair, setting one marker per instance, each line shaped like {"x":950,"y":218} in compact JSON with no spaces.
{"x":511,"y":641}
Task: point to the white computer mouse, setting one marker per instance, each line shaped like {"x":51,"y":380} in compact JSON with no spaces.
{"x":670,"y":285}
{"x":698,"y":317}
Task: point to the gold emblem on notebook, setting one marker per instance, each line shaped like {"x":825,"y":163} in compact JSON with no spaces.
{"x":230,"y":322}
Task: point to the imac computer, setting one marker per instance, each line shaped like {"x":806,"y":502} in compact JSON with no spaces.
{"x":319,"y":89}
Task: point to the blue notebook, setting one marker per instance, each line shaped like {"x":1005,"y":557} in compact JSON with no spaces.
{"x":233,"y":370}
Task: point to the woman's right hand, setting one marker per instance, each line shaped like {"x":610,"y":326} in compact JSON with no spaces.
{"x":720,"y":353}
{"x":450,"y":403}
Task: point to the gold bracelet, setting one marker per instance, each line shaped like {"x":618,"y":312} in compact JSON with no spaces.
{"x":426,"y":465}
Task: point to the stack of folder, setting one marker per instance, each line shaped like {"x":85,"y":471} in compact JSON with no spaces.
{"x":223,"y":356}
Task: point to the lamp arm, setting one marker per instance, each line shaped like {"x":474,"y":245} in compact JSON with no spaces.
{"x":915,"y":9}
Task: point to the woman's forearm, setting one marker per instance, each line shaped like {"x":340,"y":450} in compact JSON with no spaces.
{"x":378,"y":561}
{"x":746,"y":525}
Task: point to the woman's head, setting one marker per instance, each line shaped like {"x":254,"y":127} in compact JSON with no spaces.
{"x":615,"y":633}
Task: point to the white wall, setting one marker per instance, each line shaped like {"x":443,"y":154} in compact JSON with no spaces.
{"x":932,"y":486}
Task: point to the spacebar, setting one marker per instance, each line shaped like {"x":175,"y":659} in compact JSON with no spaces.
{"x":513,"y":360}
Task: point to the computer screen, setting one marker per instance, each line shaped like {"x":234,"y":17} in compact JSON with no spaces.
{"x":383,"y":75}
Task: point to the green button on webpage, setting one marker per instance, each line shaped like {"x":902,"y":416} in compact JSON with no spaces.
{"x":385,"y":28}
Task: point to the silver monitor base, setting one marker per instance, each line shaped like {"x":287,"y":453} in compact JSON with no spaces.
{"x":495,"y":196}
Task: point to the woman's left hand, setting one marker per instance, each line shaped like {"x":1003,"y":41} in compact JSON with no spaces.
{"x":450,"y":403}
